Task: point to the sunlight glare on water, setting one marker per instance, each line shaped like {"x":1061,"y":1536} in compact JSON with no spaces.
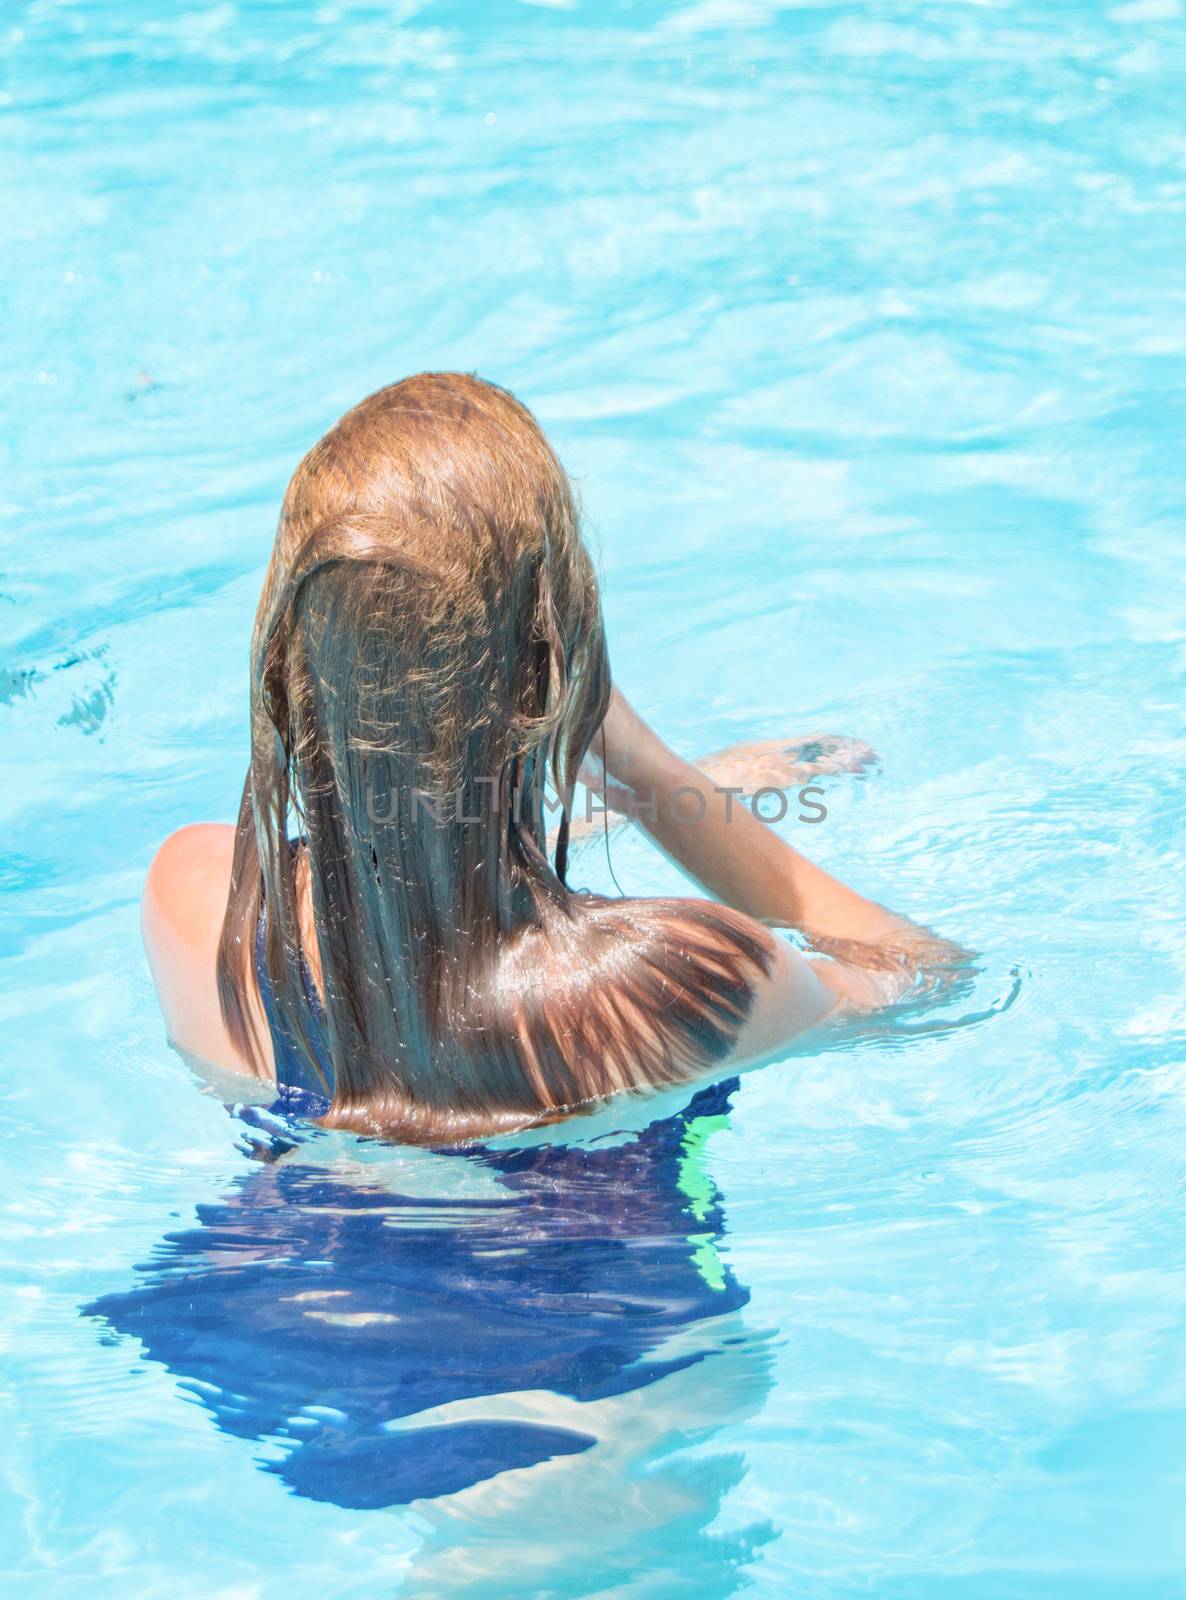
{"x":863,"y":330}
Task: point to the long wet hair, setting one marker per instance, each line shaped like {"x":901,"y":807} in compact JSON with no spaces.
{"x":429,"y":668}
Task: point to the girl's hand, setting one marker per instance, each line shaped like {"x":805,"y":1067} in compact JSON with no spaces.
{"x":786,"y":763}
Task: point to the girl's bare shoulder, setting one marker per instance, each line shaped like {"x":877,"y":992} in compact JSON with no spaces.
{"x":190,"y":873}
{"x":185,"y":896}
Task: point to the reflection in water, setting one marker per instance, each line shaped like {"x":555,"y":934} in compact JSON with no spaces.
{"x":392,"y":1347}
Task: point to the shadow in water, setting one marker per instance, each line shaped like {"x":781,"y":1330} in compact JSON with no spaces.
{"x":393,"y":1346}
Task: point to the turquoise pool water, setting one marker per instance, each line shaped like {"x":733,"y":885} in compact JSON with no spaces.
{"x":863,"y":328}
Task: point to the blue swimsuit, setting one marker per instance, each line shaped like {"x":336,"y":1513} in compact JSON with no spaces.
{"x":298,"y":1089}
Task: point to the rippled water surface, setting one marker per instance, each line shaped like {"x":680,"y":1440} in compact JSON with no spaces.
{"x":863,"y":328}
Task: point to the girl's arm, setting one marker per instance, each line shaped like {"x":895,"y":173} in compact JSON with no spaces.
{"x":741,"y":861}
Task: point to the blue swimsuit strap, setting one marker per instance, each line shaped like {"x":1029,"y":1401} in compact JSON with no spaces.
{"x":293,"y":1078}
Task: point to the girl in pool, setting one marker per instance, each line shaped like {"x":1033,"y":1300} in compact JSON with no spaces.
{"x":388,"y":929}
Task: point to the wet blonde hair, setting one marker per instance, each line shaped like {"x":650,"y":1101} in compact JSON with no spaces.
{"x":430,"y":625}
